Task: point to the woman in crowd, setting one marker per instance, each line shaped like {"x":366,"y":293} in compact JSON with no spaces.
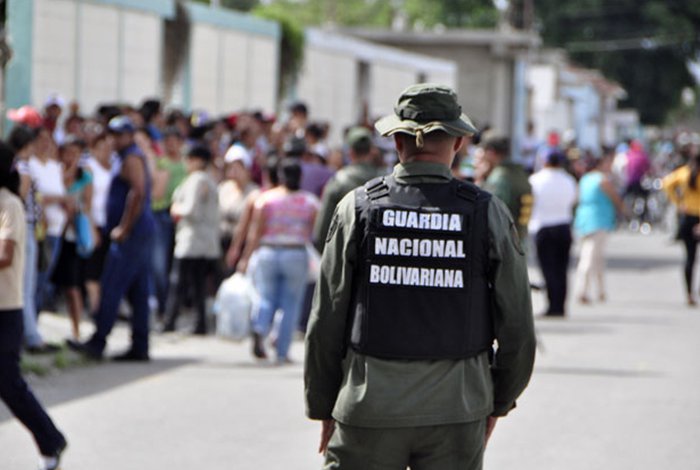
{"x":14,"y":391}
{"x":596,"y":215}
{"x":234,"y":192}
{"x":45,"y":170}
{"x":683,"y":189}
{"x":21,"y":140}
{"x":99,"y":163}
{"x":68,"y":274}
{"x":195,"y":209}
{"x":282,"y":223}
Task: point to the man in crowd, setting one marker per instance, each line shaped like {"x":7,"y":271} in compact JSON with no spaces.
{"x":419,"y":276}
{"x":554,"y":192}
{"x":130,"y":225}
{"x":508,"y":181}
{"x":360,"y":170}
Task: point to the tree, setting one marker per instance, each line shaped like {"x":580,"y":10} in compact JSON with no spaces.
{"x":643,"y":44}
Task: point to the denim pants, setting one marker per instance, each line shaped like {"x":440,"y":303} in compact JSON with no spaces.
{"x":32,"y":337}
{"x":15,"y":392}
{"x":162,"y":257}
{"x":280,"y":277}
{"x":126,"y":273}
{"x":44,"y":287}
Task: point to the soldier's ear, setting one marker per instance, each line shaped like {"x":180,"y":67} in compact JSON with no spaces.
{"x":398,"y":141}
{"x":458,"y":144}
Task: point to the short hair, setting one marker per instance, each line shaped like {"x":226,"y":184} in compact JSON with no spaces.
{"x":200,"y":152}
{"x":498,"y":145}
{"x":21,"y":136}
{"x":409,"y":140}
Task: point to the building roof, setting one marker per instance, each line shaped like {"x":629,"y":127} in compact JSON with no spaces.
{"x":474,"y":37}
{"x":371,"y":52}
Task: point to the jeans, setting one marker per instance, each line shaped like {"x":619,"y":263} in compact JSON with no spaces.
{"x":15,"y":392}
{"x":553,"y":248}
{"x":126,"y":273}
{"x":162,"y":256}
{"x":280,"y":277}
{"x":32,"y":337}
{"x":44,"y":287}
{"x":690,"y":241}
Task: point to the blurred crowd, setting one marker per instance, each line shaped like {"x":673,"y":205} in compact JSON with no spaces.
{"x":254,"y":192}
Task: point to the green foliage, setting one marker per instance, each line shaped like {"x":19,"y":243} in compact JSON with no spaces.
{"x":643,"y":44}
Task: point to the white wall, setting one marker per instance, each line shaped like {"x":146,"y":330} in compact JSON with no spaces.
{"x":231,"y":70}
{"x":328,"y":85}
{"x":330,"y":80}
{"x":94,"y":53}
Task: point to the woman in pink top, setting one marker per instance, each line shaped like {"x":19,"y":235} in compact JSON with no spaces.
{"x":283,"y":219}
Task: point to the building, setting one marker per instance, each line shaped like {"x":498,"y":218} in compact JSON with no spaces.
{"x":346,"y":81}
{"x":564,"y":97}
{"x":491,"y":68}
{"x":94,"y":51}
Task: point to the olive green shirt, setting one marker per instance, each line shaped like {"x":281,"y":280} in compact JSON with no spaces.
{"x":344,"y":181}
{"x":510,"y":183}
{"x":360,"y":390}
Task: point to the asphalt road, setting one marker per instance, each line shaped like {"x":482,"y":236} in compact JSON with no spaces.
{"x":615,"y":387}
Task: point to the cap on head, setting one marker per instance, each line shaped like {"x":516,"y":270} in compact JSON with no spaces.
{"x":359,"y":138}
{"x":238,"y":153}
{"x":425,"y":108}
{"x":54,"y":99}
{"x":26,"y":115}
{"x":121,"y":125}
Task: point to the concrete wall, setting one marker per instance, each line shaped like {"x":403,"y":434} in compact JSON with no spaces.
{"x":231,"y":70}
{"x":93,"y":51}
{"x":342,"y":75}
{"x":96,"y":51}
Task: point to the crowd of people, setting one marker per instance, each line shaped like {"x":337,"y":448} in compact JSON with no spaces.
{"x":157,"y":207}
{"x":221,"y":190}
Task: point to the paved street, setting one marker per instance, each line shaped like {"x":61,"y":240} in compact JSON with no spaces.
{"x":616,"y":387}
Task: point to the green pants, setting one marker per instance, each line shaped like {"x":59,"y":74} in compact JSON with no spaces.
{"x":444,"y":447}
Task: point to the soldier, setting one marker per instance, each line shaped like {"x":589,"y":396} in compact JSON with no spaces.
{"x":508,"y":181}
{"x":360,"y":170}
{"x":420,"y":274}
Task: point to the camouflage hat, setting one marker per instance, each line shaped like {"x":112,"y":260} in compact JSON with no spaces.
{"x":425,"y":108}
{"x":358,"y":136}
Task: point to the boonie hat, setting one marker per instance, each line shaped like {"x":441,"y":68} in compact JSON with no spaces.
{"x":425,"y":108}
{"x":27,"y":115}
{"x":358,"y":136}
{"x":121,"y":125}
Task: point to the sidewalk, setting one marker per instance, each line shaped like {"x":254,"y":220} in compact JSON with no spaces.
{"x":615,"y":387}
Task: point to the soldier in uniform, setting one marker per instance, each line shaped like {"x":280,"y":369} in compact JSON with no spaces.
{"x":360,"y":170}
{"x":420,"y":274}
{"x":508,"y":181}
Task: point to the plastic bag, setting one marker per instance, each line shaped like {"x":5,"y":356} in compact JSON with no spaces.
{"x":233,"y":307}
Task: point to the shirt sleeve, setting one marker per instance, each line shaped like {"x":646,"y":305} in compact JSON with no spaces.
{"x":326,"y":333}
{"x":10,"y":221}
{"x":512,"y":310}
{"x":670,"y":185}
{"x":329,"y":201}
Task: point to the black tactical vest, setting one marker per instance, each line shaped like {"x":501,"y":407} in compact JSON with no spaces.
{"x":421,"y":289}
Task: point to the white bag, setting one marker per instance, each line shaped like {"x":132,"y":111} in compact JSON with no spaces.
{"x":233,"y":307}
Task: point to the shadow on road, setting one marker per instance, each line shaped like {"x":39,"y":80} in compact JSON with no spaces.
{"x":94,"y":379}
{"x":592,"y":371}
